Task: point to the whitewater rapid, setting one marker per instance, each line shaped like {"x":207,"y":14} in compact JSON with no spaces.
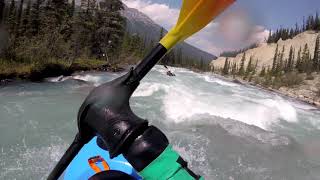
{"x":224,"y":129}
{"x":195,"y":94}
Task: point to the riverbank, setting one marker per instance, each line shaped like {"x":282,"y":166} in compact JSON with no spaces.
{"x":307,"y":91}
{"x":11,"y":71}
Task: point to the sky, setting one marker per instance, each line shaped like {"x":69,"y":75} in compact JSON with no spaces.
{"x":243,"y":23}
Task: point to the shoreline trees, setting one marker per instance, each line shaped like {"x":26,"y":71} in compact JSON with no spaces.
{"x":312,"y":22}
{"x":283,"y":68}
{"x":45,"y":31}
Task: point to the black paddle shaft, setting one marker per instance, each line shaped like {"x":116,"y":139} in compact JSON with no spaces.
{"x":110,"y":95}
{"x":149,"y":62}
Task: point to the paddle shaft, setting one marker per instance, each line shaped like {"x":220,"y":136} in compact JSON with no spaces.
{"x":142,"y":69}
{"x":68,"y":156}
{"x":139,"y":72}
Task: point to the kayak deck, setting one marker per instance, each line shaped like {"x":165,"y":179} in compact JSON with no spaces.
{"x":80,"y":169}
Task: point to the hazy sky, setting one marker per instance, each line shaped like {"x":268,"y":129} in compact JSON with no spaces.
{"x":245,"y":22}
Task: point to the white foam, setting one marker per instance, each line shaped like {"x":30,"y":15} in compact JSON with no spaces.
{"x":179,"y":104}
{"x":303,"y":106}
{"x":160,"y":69}
{"x":96,"y":80}
{"x":283,"y":108}
{"x":148,"y":89}
{"x":30,"y":163}
{"x":59,"y":78}
{"x":55,"y":79}
{"x":183,"y":104}
{"x":212,"y":79}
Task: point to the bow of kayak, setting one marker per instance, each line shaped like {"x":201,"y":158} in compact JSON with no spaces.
{"x":80,"y":168}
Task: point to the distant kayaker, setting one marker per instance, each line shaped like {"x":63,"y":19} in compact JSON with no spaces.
{"x":169,"y":73}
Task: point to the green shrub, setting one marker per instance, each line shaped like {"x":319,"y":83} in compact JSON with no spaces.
{"x":291,"y":79}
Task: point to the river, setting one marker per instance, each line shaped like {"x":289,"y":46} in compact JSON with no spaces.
{"x":226,"y":131}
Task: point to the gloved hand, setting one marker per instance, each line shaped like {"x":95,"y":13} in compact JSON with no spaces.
{"x":107,"y":114}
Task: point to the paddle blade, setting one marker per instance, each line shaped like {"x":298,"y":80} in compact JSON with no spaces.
{"x":194,"y":15}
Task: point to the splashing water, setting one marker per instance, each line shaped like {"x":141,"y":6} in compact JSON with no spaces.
{"x":223,"y":129}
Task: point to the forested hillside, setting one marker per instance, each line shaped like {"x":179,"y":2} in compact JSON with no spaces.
{"x":56,"y":35}
{"x":51,"y":37}
{"x":142,"y":25}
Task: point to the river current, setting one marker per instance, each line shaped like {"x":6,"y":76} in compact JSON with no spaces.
{"x":226,"y":131}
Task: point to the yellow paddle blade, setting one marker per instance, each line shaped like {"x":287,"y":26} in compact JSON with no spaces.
{"x":194,"y":15}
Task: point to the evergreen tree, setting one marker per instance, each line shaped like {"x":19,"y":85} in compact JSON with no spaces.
{"x":317,"y":22}
{"x":19,"y":13}
{"x":289,"y":64}
{"x":299,"y":62}
{"x":11,"y":21}
{"x":308,"y":23}
{"x":143,"y":46}
{"x":291,"y":33}
{"x":242,"y":68}
{"x":280,"y":62}
{"x":269,"y":70}
{"x":72,"y":8}
{"x":2,"y":7}
{"x":55,"y":20}
{"x":303,"y":24}
{"x":269,"y":40}
{"x":109,"y":27}
{"x":275,"y":58}
{"x":254,"y":70}
{"x":312,"y":22}
{"x":305,"y":59}
{"x":83,"y":5}
{"x":263,"y":72}
{"x":234,"y":69}
{"x":116,"y":23}
{"x":84,"y":35}
{"x":250,"y":67}
{"x":52,"y":29}
{"x":316,"y":58}
{"x":225,"y":70}
{"x":35,"y":18}
{"x":25,"y":19}
{"x":297,"y":30}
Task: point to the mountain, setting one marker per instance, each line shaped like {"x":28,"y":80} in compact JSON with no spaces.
{"x":141,"y":24}
{"x":264,"y":53}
